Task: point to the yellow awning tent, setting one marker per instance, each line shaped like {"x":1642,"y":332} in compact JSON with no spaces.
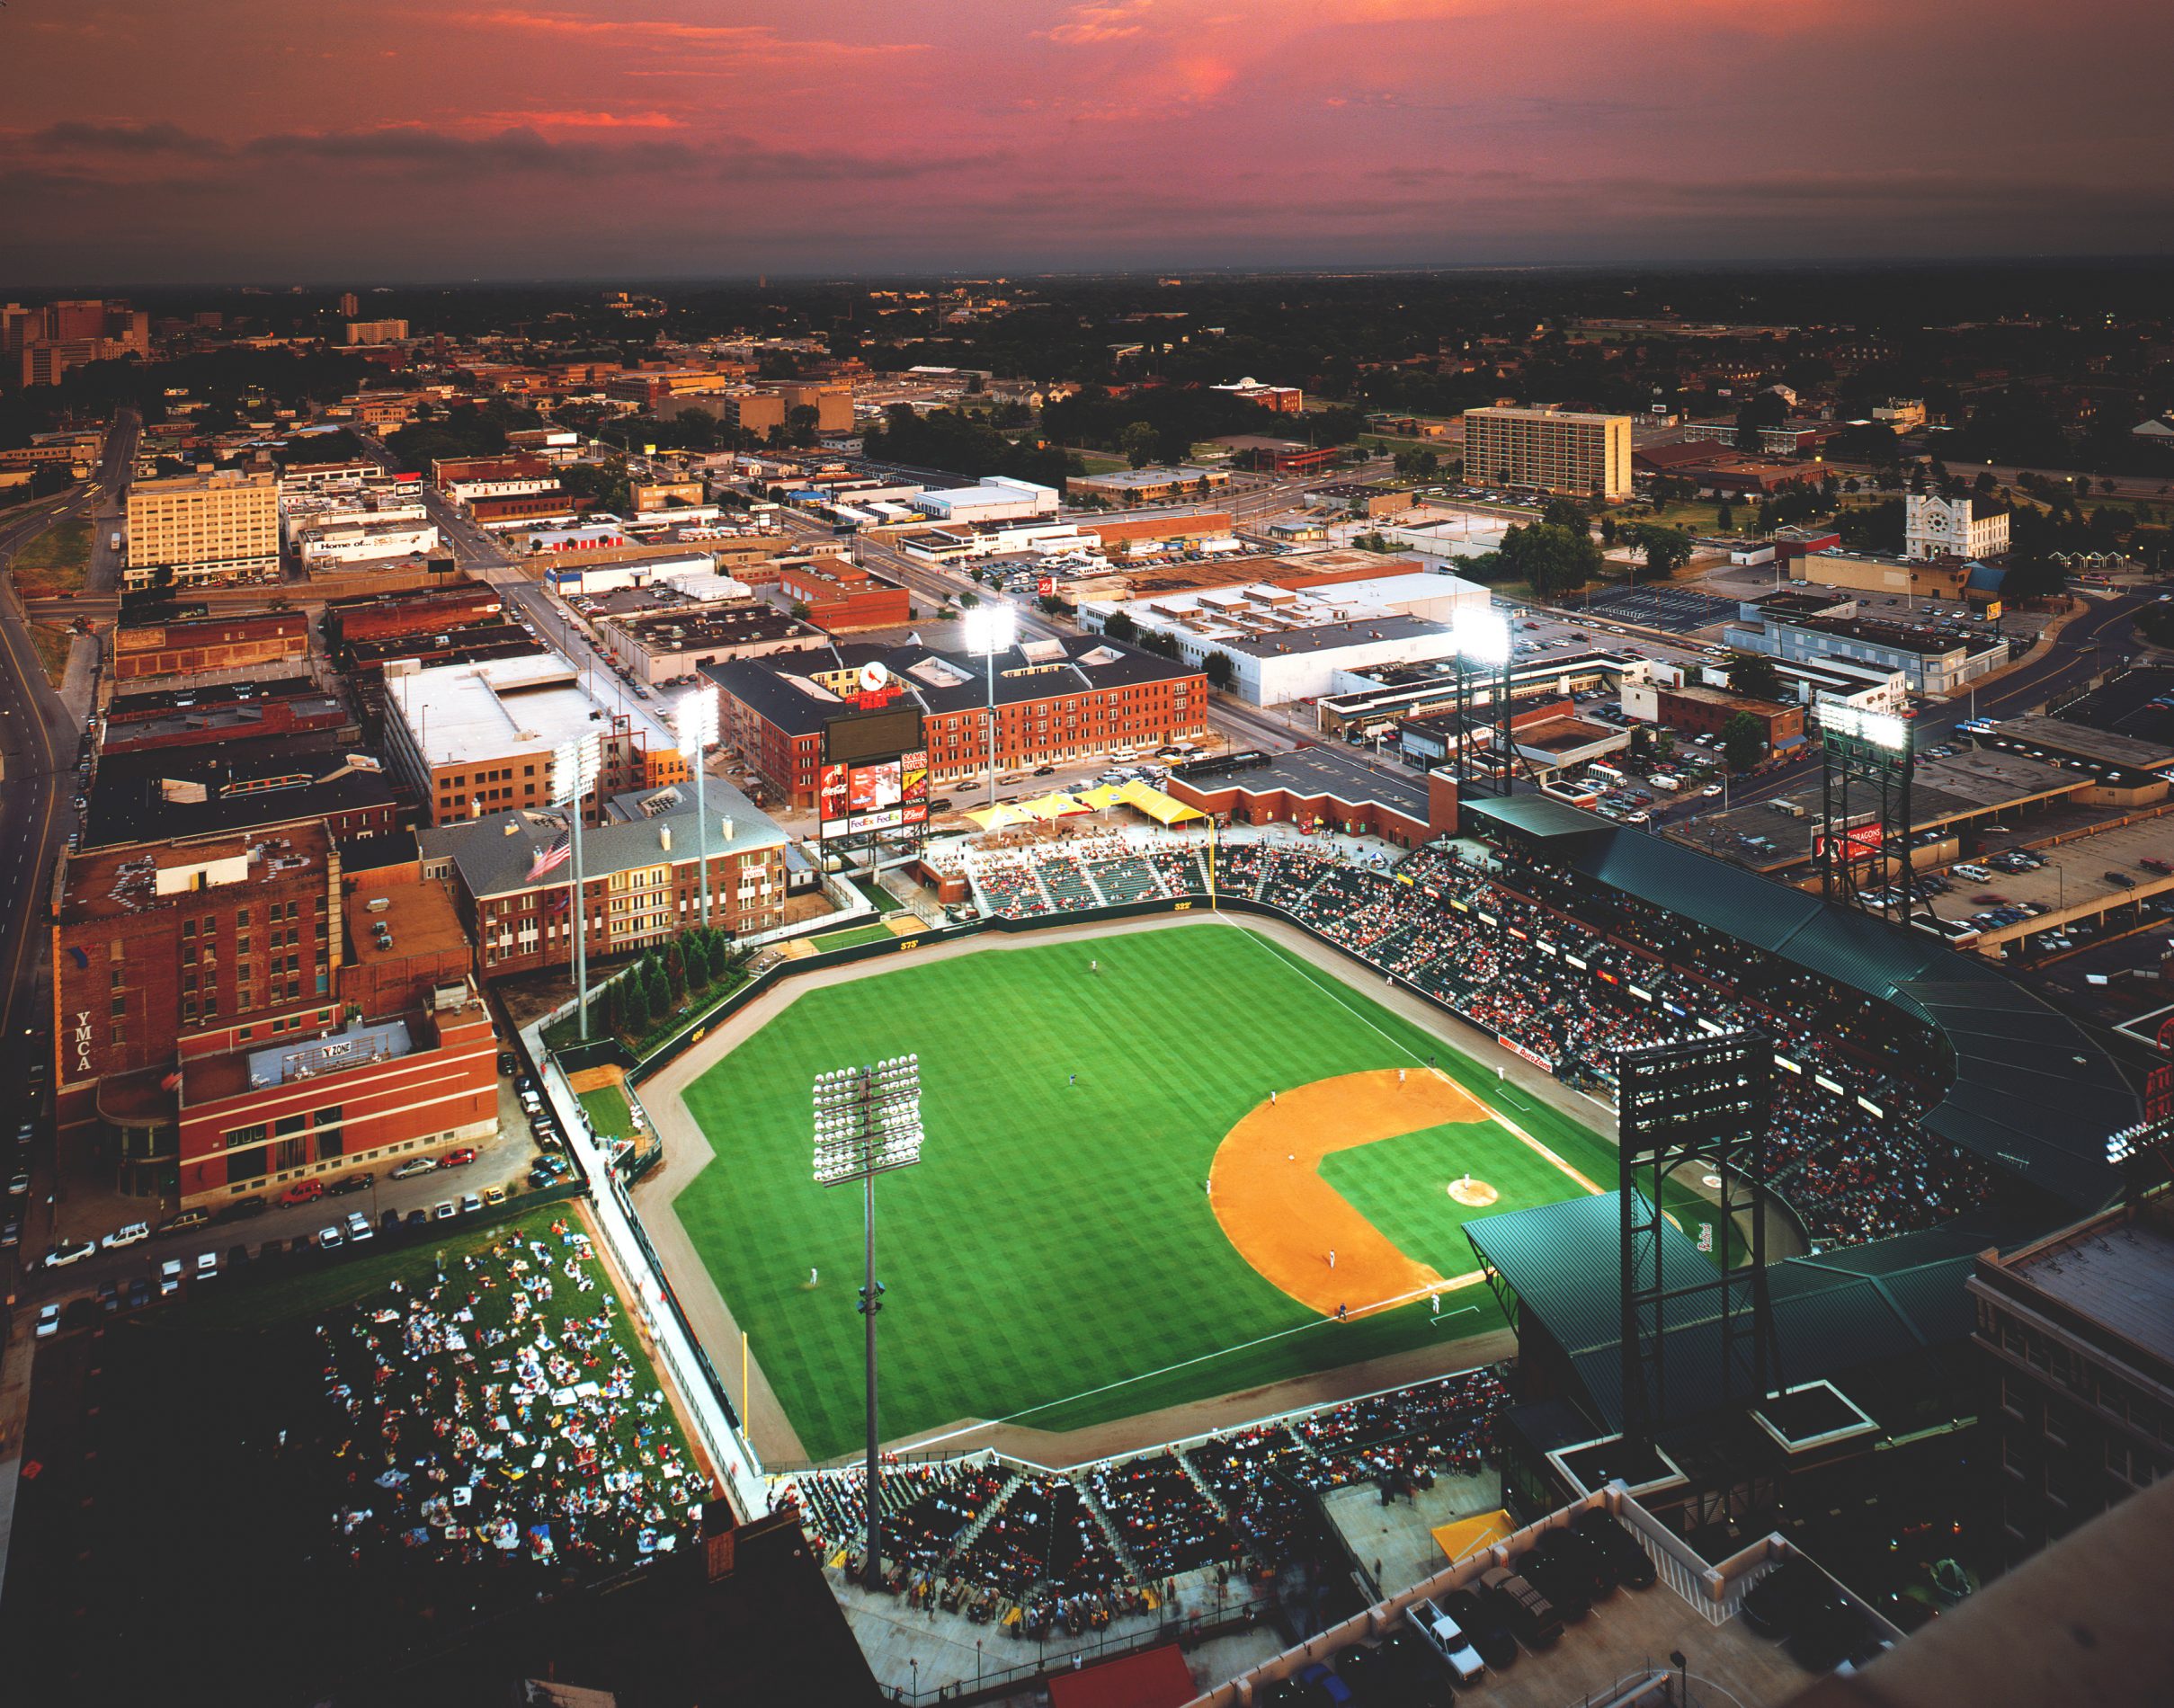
{"x":1467,"y":1536}
{"x":1102,"y":795}
{"x":1162,"y":808}
{"x":1057,"y":803}
{"x":1001,"y":817}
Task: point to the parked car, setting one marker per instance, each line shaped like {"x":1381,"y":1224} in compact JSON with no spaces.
{"x":1778,"y":1602}
{"x":341,"y":1187}
{"x":457,"y":1159}
{"x":493,"y":1195}
{"x":140,"y":1293}
{"x":1531,"y":1617}
{"x":48,"y":1320}
{"x":416,"y":1219}
{"x":303,"y":1192}
{"x":1447,"y":1638}
{"x":1480,"y":1622}
{"x":359,"y":1228}
{"x":414,"y":1166}
{"x":182,"y":1222}
{"x":242,"y":1209}
{"x":469,"y":1204}
{"x":68,"y":1251}
{"x":169,"y":1277}
{"x":207,"y":1264}
{"x":129,"y":1235}
{"x":442,"y":1211}
{"x":18,"y":1183}
{"x":1634,"y":1567}
{"x":329,"y":1238}
{"x":1559,"y":1580}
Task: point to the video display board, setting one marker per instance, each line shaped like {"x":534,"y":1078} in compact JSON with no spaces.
{"x":864,"y":736}
{"x":884,"y":795}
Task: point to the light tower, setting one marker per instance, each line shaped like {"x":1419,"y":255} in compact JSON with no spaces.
{"x":1482,"y":639}
{"x":991,"y":629}
{"x":867,"y":1122}
{"x":575,"y":766}
{"x":695,"y":722}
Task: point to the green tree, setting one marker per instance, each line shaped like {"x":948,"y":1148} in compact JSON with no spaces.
{"x":800,"y":426}
{"x":1725,"y":517}
{"x":694,"y":956}
{"x":1743,"y":741}
{"x":633,"y":1005}
{"x":1665,"y":550}
{"x":1137,"y":441}
{"x":1567,"y":513}
{"x":1754,"y":676}
{"x":1119,"y":625}
{"x":1218,"y":669}
{"x":1552,"y":560}
{"x":675,"y":972}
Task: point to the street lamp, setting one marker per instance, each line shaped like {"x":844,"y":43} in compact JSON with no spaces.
{"x":574,"y":768}
{"x":695,"y":722}
{"x":991,"y":629}
{"x":867,"y":1122}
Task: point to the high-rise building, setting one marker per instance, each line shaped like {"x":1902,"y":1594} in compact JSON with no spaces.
{"x":1549,"y":450}
{"x":221,"y":526}
{"x":375,"y":332}
{"x":351,"y":305}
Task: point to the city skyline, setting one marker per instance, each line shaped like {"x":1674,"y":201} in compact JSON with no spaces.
{"x":242,"y":140}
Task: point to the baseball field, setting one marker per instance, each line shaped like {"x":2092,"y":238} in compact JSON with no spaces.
{"x":1159,"y":1166}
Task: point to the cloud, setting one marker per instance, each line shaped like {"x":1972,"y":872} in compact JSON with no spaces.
{"x":750,"y":41}
{"x":1089,"y":26}
{"x":78,"y":137}
{"x":578,"y":120}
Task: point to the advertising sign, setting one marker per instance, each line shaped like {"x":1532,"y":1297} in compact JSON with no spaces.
{"x":831,"y":797}
{"x":872,"y":788}
{"x":913,"y":786}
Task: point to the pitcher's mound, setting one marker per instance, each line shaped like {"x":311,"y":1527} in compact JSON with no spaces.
{"x":1474,"y":1195}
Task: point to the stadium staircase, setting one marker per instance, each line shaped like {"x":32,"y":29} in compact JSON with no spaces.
{"x":971,"y":1534}
{"x":1109,"y":1531}
{"x":1209,"y":1494}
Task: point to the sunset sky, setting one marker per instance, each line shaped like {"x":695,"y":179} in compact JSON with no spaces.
{"x":314,"y":140}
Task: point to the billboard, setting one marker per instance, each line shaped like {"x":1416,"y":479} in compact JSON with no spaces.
{"x":889,"y":795}
{"x":857,"y":737}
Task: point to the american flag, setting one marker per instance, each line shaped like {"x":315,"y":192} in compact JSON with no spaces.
{"x":549,"y":860}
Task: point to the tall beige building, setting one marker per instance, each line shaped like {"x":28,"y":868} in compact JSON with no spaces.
{"x":1550,"y":450}
{"x":375,"y":332}
{"x":194,"y":529}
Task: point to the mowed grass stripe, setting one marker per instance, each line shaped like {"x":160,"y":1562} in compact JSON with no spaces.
{"x":1057,"y":1237}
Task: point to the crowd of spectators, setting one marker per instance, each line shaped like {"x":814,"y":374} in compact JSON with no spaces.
{"x":1571,"y":974}
{"x":496,"y":1418}
{"x":1166,"y":1522}
{"x":1261,"y":1476}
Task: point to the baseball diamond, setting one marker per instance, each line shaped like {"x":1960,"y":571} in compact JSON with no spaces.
{"x":1088,"y":1236}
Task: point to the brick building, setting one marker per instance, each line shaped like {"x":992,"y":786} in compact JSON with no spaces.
{"x":383,"y":616}
{"x":2078,"y":1342}
{"x":477,"y":738}
{"x":240,"y":641}
{"x":526,"y":509}
{"x":1320,"y":788}
{"x":839,"y":595}
{"x":640,"y":870}
{"x":1057,"y":700}
{"x":1706,"y":711}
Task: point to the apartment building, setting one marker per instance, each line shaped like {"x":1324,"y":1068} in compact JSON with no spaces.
{"x":642,"y":875}
{"x":191,"y":530}
{"x":375,"y":332}
{"x":1549,"y":450}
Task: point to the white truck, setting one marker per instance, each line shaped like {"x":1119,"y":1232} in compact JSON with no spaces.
{"x":1665,"y":781}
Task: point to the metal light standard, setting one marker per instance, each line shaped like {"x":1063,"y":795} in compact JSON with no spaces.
{"x":991,"y":629}
{"x":867,"y":1121}
{"x":695,"y":722}
{"x":574,"y":768}
{"x":1482,"y":639}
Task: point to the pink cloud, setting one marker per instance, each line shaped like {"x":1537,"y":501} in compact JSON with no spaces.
{"x":1092,"y":25}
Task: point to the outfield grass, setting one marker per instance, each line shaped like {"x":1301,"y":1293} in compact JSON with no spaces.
{"x":1054,"y":1245}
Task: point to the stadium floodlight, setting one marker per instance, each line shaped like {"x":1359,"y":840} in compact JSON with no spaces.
{"x":867,"y":1121}
{"x":575,"y":765}
{"x":1481,"y":636}
{"x":1882,"y":729}
{"x":695,"y":721}
{"x":2133,"y":1142}
{"x":991,"y":629}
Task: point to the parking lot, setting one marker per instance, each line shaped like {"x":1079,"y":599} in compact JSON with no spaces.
{"x":1676,"y":609}
{"x":2124,"y":705}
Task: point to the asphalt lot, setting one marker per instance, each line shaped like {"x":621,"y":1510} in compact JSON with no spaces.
{"x":1676,"y":609}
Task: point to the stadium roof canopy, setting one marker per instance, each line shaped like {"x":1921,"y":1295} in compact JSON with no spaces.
{"x":2032,"y":1093}
{"x":1833,"y":1312}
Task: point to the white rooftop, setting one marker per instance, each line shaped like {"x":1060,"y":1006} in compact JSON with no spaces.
{"x":525,"y":705}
